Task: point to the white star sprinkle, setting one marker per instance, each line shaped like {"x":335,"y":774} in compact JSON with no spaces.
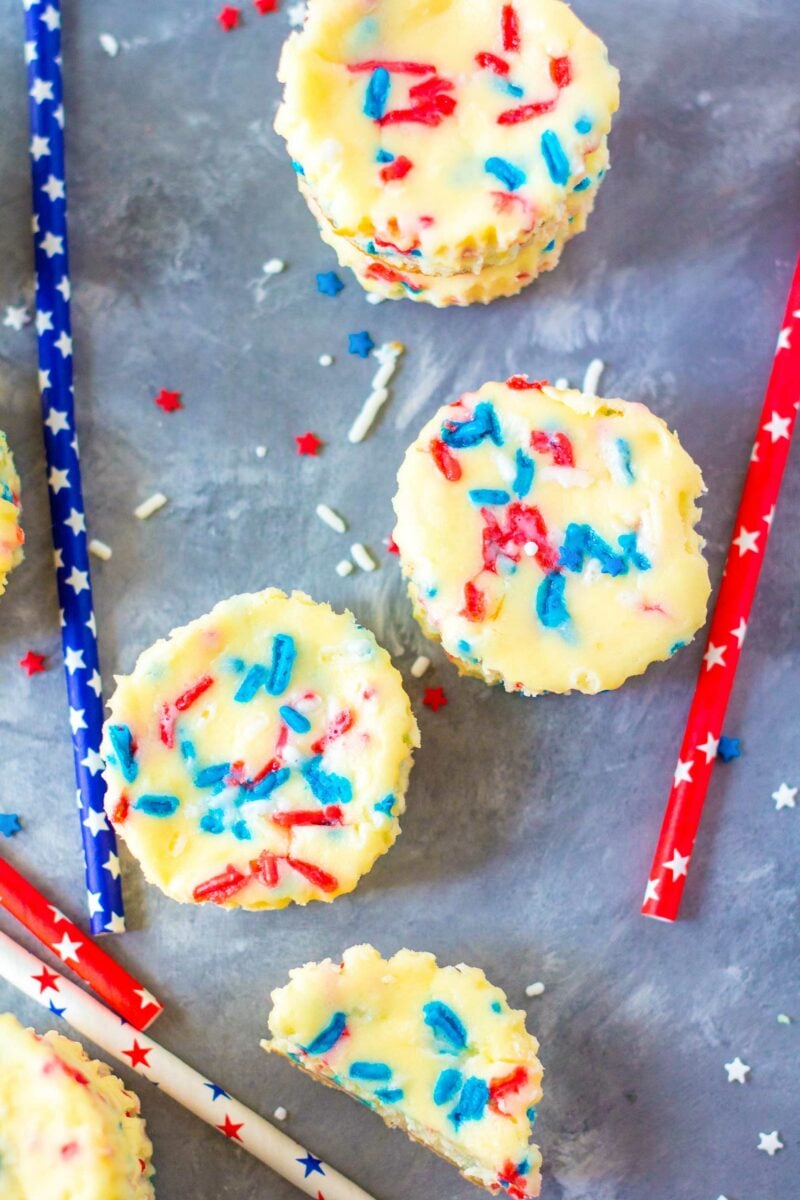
{"x":714,"y":656}
{"x":95,"y":822}
{"x":678,"y":864}
{"x":94,"y":902}
{"x":76,"y":521}
{"x":51,"y":18}
{"x":67,"y":948}
{"x":52,"y":244}
{"x":651,"y":891}
{"x":78,"y":581}
{"x":42,"y":90}
{"x":57,"y":422}
{"x":58,"y":479}
{"x":737,"y":1071}
{"x":112,"y":865}
{"x":739,"y":632}
{"x":709,"y":747}
{"x":54,"y":188}
{"x":777,"y":427}
{"x":44,"y":321}
{"x":76,"y":719}
{"x":64,"y":287}
{"x":783,"y":339}
{"x":96,"y":683}
{"x":770,"y":1142}
{"x":116,"y":924}
{"x":64,"y":344}
{"x":785,"y":797}
{"x":16,"y":318}
{"x":73,"y":660}
{"x":746,"y":540}
{"x":40,"y":148}
{"x":683,"y":771}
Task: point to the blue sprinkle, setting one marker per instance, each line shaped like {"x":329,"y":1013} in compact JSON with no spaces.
{"x":294,"y":719}
{"x":6,"y":493}
{"x":9,"y":824}
{"x":385,"y":806}
{"x":377,"y":94}
{"x":265,"y":787}
{"x":464,"y":646}
{"x":157,"y":806}
{"x":729,"y":748}
{"x":325,"y":786}
{"x":582,"y":541}
{"x":327,"y":1038}
{"x":472,"y":1101}
{"x":550,"y":245}
{"x":297,"y":168}
{"x":376,"y":1071}
{"x":523,"y":481}
{"x":371,"y":247}
{"x":550,"y":607}
{"x":513,"y":89}
{"x":237,"y":665}
{"x":389,"y":1095}
{"x":122,"y":740}
{"x":213,"y":821}
{"x":530,"y":1113}
{"x":328,"y":283}
{"x":447,"y":1085}
{"x":628,"y":546}
{"x":187,"y":750}
{"x":360,"y":344}
{"x":241,"y":830}
{"x":523,"y":1166}
{"x":211,"y":775}
{"x":283,"y":656}
{"x":676,"y":646}
{"x":447,"y":1027}
{"x":384,"y":156}
{"x":488,"y":496}
{"x":255,"y":679}
{"x":584,"y":125}
{"x":626,"y":457}
{"x":583,"y":185}
{"x":462,"y":435}
{"x":510,"y":176}
{"x":554,"y":156}
{"x":497,"y":1006}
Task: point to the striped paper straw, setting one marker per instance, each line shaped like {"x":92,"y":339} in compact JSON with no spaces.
{"x":729,"y":624}
{"x":202,"y":1096}
{"x":78,"y":631}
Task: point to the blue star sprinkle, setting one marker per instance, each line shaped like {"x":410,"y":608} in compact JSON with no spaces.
{"x":311,"y":1164}
{"x":328,"y":283}
{"x":729,"y":748}
{"x":9,"y":824}
{"x":217,"y":1091}
{"x":359,"y":343}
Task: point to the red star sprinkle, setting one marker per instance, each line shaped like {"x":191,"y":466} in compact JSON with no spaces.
{"x":392,"y":546}
{"x":229,"y":17}
{"x":32,"y":663}
{"x":434,"y":698}
{"x":138,"y":1054}
{"x":230,"y":1129}
{"x":168,"y":401}
{"x":308,"y":443}
{"x":46,"y":980}
{"x":265,"y":6}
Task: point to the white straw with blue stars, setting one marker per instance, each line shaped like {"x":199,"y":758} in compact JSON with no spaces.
{"x":68,"y":1003}
{"x":78,"y":631}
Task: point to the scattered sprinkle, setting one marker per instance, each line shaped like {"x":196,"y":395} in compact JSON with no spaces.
{"x":785,"y":797}
{"x":109,"y":44}
{"x":16,"y":318}
{"x":274,"y":266}
{"x":729,"y":749}
{"x":387,"y":356}
{"x":308,"y":443}
{"x":391,"y":545}
{"x":784,"y":1019}
{"x":149,"y":506}
{"x":280,"y":1113}
{"x":374,"y":298}
{"x":325,"y":360}
{"x":100,"y":549}
{"x":168,"y":401}
{"x":296,"y":13}
{"x":362,"y":557}
{"x":360,"y":343}
{"x":331,"y":518}
{"x":32,"y":663}
{"x":770,"y":1142}
{"x":562,"y":384}
{"x":328,"y":283}
{"x":591,"y":379}
{"x":420,"y":666}
{"x":9,"y":824}
{"x":434,"y":698}
{"x":345,"y":567}
{"x":737,"y":1071}
{"x":534,"y":989}
{"x":261,"y":451}
{"x":229,"y":17}
{"x":268,"y":6}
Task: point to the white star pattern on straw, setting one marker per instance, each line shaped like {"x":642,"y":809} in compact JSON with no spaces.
{"x":116,"y":924}
{"x":95,"y":682}
{"x":64,"y":287}
{"x":94,"y":903}
{"x":683,"y":771}
{"x":740,"y":632}
{"x":112,"y":866}
{"x":785,"y":797}
{"x":651,"y":891}
{"x":768,"y":517}
{"x":73,"y":660}
{"x":737,"y":1071}
{"x":51,"y":18}
{"x":44,"y":380}
{"x":44,"y":321}
{"x":76,"y":719}
{"x":777,"y":427}
{"x":63,"y":344}
{"x":31,"y":53}
{"x":67,"y":949}
{"x":58,"y":479}
{"x":679,"y":865}
{"x":709,"y":747}
{"x":54,"y":188}
{"x":783,"y":339}
{"x":16,"y":318}
{"x":745,"y":541}
{"x":714,"y":656}
{"x":40,"y":148}
{"x":770,"y":1142}
{"x":58,"y":915}
{"x":147,"y":998}
{"x":91,"y":625}
{"x":52,"y":244}
{"x":57,"y":421}
{"x":95,"y":822}
{"x":94,"y":764}
{"x":78,"y":581}
{"x":42,"y":90}
{"x":76,"y":521}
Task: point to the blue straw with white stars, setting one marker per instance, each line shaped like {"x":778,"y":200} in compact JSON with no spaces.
{"x":78,"y":630}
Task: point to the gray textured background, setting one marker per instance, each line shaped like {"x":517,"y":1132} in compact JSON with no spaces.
{"x":530,"y":823}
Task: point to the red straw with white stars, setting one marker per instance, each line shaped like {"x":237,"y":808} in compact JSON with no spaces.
{"x":729,"y":623}
{"x":105,"y":976}
{"x":206,"y":1099}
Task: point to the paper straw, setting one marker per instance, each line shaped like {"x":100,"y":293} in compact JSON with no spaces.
{"x":729,"y":623}
{"x":78,"y":952}
{"x":78,"y":631}
{"x":200,"y":1095}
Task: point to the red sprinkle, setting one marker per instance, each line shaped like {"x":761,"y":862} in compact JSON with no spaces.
{"x":315,"y":875}
{"x":265,"y":868}
{"x":526,"y":112}
{"x":492,"y":62}
{"x":308,"y":443}
{"x":445,"y":460}
{"x":392,"y":546}
{"x":556,"y":444}
{"x":521,"y":383}
{"x":121,"y":811}
{"x":513,"y":1182}
{"x":506,"y":1086}
{"x":525,"y":524}
{"x":221,"y":887}
{"x":32,"y":663}
{"x":434,"y":698}
{"x":168,"y":401}
{"x":397,"y":169}
{"x":561,"y":72}
{"x":430,"y":88}
{"x":475,"y":603}
{"x":511,"y":35}
{"x":166,"y":726}
{"x":265,"y":6}
{"x":401,"y":67}
{"x":412,"y":245}
{"x":187,"y":699}
{"x":432,"y":112}
{"x":339,"y":725}
{"x":378,"y":270}
{"x":332,"y":815}
{"x":69,"y":1150}
{"x":229,"y":17}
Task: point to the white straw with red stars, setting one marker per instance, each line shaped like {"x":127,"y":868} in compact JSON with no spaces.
{"x":54,"y":930}
{"x":729,"y":623}
{"x":201,"y":1096}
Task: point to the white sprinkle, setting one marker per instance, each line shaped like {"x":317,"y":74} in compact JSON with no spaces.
{"x":331,"y":518}
{"x":109,"y":44}
{"x":261,"y":451}
{"x":325,"y":360}
{"x":374,"y":298}
{"x":591,"y":379}
{"x":345,"y":567}
{"x":296,"y":14}
{"x":149,"y":506}
{"x":783,"y":1019}
{"x":100,"y":549}
{"x":362,"y":557}
{"x":704,"y":99}
{"x":534,"y":989}
{"x":562,"y":384}
{"x":387,"y":356}
{"x":531,"y":549}
{"x":280,"y":1113}
{"x":274,"y":266}
{"x":420,"y":666}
